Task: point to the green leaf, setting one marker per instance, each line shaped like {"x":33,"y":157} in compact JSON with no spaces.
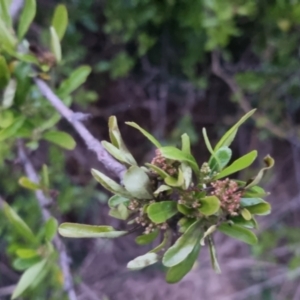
{"x":183,"y":246}
{"x":269,"y":162}
{"x":161,"y":189}
{"x":147,"y":238}
{"x":246,"y":214}
{"x":184,"y":223}
{"x":50,"y":229}
{"x":261,"y":209}
{"x":26,"y":18}
{"x":4,"y":12}
{"x":238,"y":165}
{"x":185,"y":210}
{"x":177,"y":272}
{"x":20,"y":226}
{"x":12,"y":129}
{"x":241,"y":221}
{"x":161,"y":211}
{"x":143,"y":261}
{"x":55,"y":44}
{"x":209,"y":205}
{"x":75,"y":230}
{"x":137,"y":183}
{"x":116,"y":200}
{"x":245,"y":202}
{"x":208,"y":232}
{"x":4,"y":72}
{"x":229,"y":136}
{"x":254,"y":192}
{"x":186,"y":144}
{"x":176,"y":182}
{"x":28,"y":277}
{"x":209,"y":147}
{"x":9,"y":94}
{"x":124,"y":157}
{"x":213,"y":256}
{"x":26,"y":253}
{"x":45,"y":177}
{"x":22,"y":264}
{"x":238,"y":232}
{"x":176,"y":154}
{"x":150,"y":137}
{"x":110,"y":185}
{"x":7,"y":39}
{"x":60,"y":138}
{"x":223,"y":156}
{"x":28,"y":184}
{"x":158,"y":170}
{"x":120,"y":212}
{"x":162,"y":245}
{"x":60,"y":20}
{"x":74,"y":81}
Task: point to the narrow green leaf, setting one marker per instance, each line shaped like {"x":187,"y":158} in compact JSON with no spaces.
{"x":176,"y":154}
{"x":184,"y":223}
{"x":254,"y":192}
{"x":74,"y":81}
{"x":161,"y":246}
{"x":238,"y":165}
{"x":223,"y":156}
{"x":60,"y":20}
{"x":4,"y":72}
{"x":137,"y":183}
{"x":229,"y":136}
{"x":20,"y":226}
{"x":28,"y":277}
{"x":150,"y":137}
{"x":28,"y":184}
{"x":9,"y":94}
{"x":26,"y":253}
{"x":245,"y":202}
{"x":147,"y":238}
{"x":4,"y":12}
{"x":116,"y":200}
{"x":45,"y":177}
{"x":60,"y":138}
{"x":22,"y":264}
{"x":238,"y":232}
{"x":161,"y":211}
{"x":261,"y":209}
{"x":183,"y":246}
{"x":177,"y":272}
{"x":158,"y":170}
{"x":186,"y":144}
{"x":143,"y":261}
{"x":7,"y":39}
{"x":55,"y":44}
{"x":120,"y":155}
{"x":241,"y":221}
{"x":26,"y":18}
{"x":11,"y":130}
{"x":74,"y":230}
{"x":269,"y":162}
{"x":209,"y":205}
{"x":208,"y":232}
{"x":50,"y":229}
{"x":185,"y":210}
{"x":209,"y":147}
{"x":176,"y":182}
{"x":187,"y":174}
{"x":213,"y":256}
{"x":110,"y":185}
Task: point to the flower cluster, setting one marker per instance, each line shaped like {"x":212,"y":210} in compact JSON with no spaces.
{"x":228,"y":192}
{"x":163,"y":163}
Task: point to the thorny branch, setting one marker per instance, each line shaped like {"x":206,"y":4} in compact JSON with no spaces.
{"x":43,"y":200}
{"x":93,"y":144}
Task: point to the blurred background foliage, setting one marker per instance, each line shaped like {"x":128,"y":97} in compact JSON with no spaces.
{"x":171,"y":66}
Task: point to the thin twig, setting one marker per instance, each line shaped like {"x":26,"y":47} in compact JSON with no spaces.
{"x":43,"y":200}
{"x":243,"y":101}
{"x":93,"y":144}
